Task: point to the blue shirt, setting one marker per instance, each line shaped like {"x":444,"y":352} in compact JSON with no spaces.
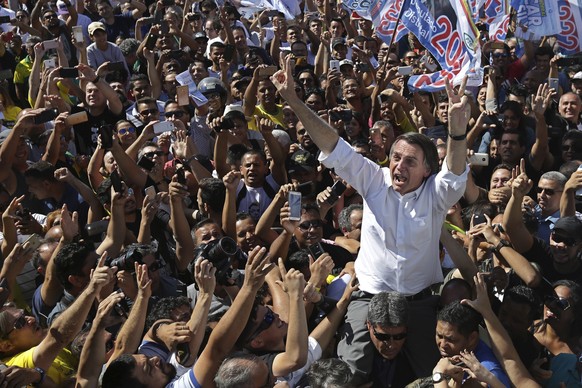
{"x":486,"y":357}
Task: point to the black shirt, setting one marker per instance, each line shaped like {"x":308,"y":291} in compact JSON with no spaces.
{"x":86,"y":133}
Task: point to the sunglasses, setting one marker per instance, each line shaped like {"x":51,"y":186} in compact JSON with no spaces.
{"x":306,"y":225}
{"x":549,"y":192}
{"x":565,"y":240}
{"x":268,"y":320}
{"x":567,"y":147}
{"x":125,"y":131}
{"x":555,"y":301}
{"x":389,"y":337}
{"x":175,"y":113}
{"x":151,"y":154}
{"x":499,"y":55}
{"x":51,"y":16}
{"x":19,"y":323}
{"x":146,"y":112}
{"x":20,"y":17}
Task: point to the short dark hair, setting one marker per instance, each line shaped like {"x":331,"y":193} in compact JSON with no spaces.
{"x":330,"y":372}
{"x":41,"y":170}
{"x":524,"y":295}
{"x":200,"y":224}
{"x":213,"y":193}
{"x":431,"y":158}
{"x":119,"y":373}
{"x":146,"y":100}
{"x":163,"y":308}
{"x":70,"y":261}
{"x":138,"y":78}
{"x":388,"y":308}
{"x":463,"y":317}
{"x":298,"y":260}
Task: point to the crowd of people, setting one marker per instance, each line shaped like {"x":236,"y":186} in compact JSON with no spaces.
{"x":200,"y":194}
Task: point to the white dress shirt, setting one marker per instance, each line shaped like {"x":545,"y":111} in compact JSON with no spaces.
{"x":400,"y":233}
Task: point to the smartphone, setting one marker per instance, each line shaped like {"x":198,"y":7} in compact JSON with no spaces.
{"x":4,"y":19}
{"x":479,"y":219}
{"x":116,"y":66}
{"x":362,"y":67}
{"x":78,"y":33}
{"x":46,"y":116}
{"x":337,"y":190}
{"x":146,"y":163}
{"x":376,"y":137}
{"x":183,"y":95}
{"x":163,"y":126}
{"x":33,"y":242}
{"x":96,"y":228}
{"x":6,"y":74}
{"x":150,"y":192}
{"x":479,"y":159}
{"x":77,"y":118}
{"x":579,"y":190}
{"x":69,"y":72}
{"x":404,"y":70}
{"x":181,"y":176}
{"x":116,"y":181}
{"x":553,"y":83}
{"x":267,"y":71}
{"x":151,"y":41}
{"x":106,"y":132}
{"x":316,"y":250}
{"x":228,"y":52}
{"x":49,"y":44}
{"x":226,"y":124}
{"x":165,"y":28}
{"x":430,"y":66}
{"x":334,"y":64}
{"x":305,"y":188}
{"x":294,"y":206}
{"x":49,"y":64}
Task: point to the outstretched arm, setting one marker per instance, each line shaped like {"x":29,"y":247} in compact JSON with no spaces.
{"x":459,"y":115}
{"x":322,"y":134}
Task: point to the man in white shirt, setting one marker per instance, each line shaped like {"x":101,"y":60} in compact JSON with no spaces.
{"x":404,"y":209}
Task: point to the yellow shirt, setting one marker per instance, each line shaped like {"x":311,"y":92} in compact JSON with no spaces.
{"x":277,"y":118}
{"x":62,"y":368}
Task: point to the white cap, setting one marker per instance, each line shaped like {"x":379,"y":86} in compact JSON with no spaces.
{"x":577,"y":76}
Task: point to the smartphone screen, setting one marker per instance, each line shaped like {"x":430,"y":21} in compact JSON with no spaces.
{"x":69,"y":72}
{"x":295,"y":205}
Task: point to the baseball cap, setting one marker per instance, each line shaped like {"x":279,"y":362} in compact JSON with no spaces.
{"x":200,"y":35}
{"x":346,"y":62}
{"x":301,"y":160}
{"x":94,"y":26}
{"x":336,"y":41}
{"x":567,"y":227}
{"x":62,"y":8}
{"x":577,"y":76}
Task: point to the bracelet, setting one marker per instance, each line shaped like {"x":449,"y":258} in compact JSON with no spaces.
{"x":42,"y":375}
{"x":384,"y":162}
{"x":458,"y":137}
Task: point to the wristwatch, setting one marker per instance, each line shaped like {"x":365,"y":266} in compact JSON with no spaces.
{"x":437,"y":377}
{"x":42,"y":375}
{"x":502,"y":243}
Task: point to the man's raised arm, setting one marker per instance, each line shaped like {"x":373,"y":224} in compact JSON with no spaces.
{"x":459,"y":115}
{"x":321,"y":132}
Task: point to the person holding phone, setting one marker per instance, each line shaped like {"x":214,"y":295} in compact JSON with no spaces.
{"x":397,"y":244}
{"x":101,"y":51}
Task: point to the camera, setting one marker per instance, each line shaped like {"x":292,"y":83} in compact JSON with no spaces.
{"x":220,"y":253}
{"x":126,"y":261}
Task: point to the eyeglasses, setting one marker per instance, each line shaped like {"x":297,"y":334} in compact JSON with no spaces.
{"x":549,"y":192}
{"x":306,"y":80}
{"x":384,"y":337}
{"x":20,"y":17}
{"x":19,"y":323}
{"x":125,"y":131}
{"x":51,"y":16}
{"x":499,"y":55}
{"x":147,"y":112}
{"x":151,"y":154}
{"x":563,"y":240}
{"x":555,"y":301}
{"x":174,"y":113}
{"x":268,"y":320}
{"x":306,"y":225}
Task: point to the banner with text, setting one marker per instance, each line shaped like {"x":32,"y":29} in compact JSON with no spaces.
{"x":570,"y":38}
{"x":537,"y":18}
